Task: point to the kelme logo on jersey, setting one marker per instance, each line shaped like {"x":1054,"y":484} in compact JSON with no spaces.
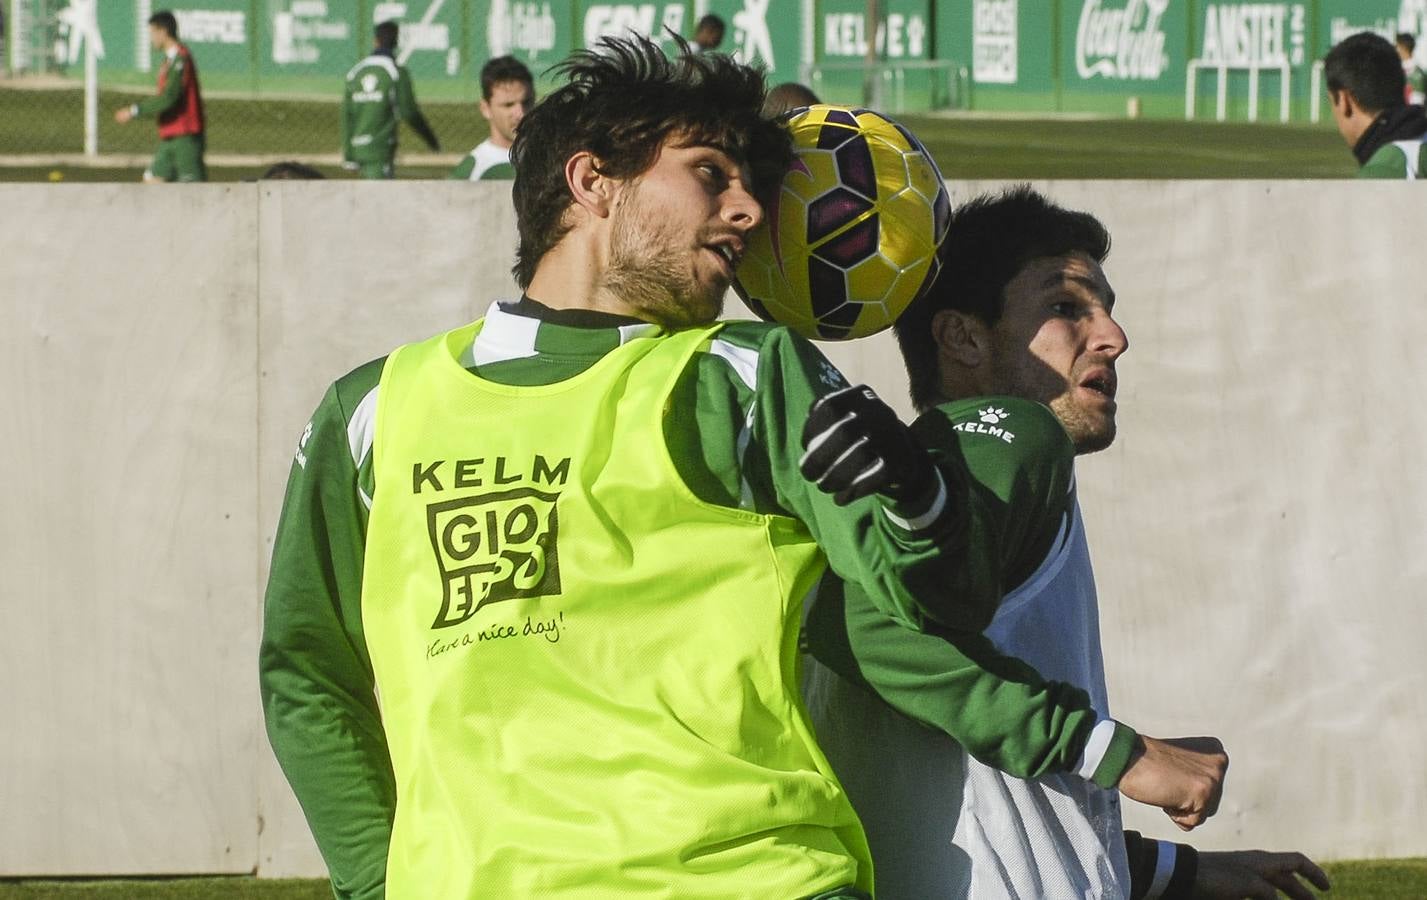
{"x":501,"y":544}
{"x":990,"y":417}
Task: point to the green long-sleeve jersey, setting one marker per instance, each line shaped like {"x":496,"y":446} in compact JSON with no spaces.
{"x":170,"y":93}
{"x":1019,"y":465}
{"x":733,"y":426}
{"x":378,"y":94}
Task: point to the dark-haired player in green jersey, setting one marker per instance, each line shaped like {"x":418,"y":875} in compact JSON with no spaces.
{"x":1366,"y":88}
{"x":378,"y":94}
{"x":507,"y":93}
{"x":1011,"y":357}
{"x":532,"y":623}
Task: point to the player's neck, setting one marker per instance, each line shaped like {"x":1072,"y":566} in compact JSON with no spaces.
{"x":569,"y":275}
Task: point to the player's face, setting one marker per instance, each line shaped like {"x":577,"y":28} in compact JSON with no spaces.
{"x":158,"y":38}
{"x":1056,"y":342}
{"x":509,"y":102}
{"x":677,"y":234}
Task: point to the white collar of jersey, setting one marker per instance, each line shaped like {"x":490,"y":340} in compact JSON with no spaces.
{"x":171,"y":52}
{"x":506,"y":336}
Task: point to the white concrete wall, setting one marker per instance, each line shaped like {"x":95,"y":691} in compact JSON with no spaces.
{"x":1254,"y":528}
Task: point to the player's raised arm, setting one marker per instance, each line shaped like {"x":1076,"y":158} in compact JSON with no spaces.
{"x":892,"y":542}
{"x":316,"y":678}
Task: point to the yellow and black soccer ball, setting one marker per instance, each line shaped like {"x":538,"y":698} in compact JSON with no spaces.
{"x":851,"y":238}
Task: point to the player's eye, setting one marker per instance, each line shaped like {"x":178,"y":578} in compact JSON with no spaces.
{"x":713,"y":172}
{"x":1067,"y":308}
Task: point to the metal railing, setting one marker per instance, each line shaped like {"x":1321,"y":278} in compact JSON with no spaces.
{"x":1221,"y":111}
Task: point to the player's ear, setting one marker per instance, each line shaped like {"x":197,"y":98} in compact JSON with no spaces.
{"x":589,"y":188}
{"x":961,"y":339}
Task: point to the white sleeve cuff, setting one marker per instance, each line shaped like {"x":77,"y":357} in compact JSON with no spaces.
{"x":1166,"y":855}
{"x":1095,"y":748}
{"x":926,"y":519}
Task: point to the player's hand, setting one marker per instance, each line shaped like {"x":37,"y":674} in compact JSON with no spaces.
{"x":123,"y":115}
{"x":854,"y":445}
{"x":1182,"y":776}
{"x":1237,"y":874}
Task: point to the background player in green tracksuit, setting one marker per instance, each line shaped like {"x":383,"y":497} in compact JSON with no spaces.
{"x":378,"y":94}
{"x":178,"y":107}
{"x":1019,"y":316}
{"x":1365,"y":86}
{"x":581,"y":762}
{"x":507,"y":93}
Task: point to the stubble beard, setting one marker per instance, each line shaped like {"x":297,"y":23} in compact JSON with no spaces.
{"x":1089,"y":431}
{"x":649,"y":270}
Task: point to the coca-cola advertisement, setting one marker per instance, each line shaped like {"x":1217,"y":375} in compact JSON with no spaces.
{"x":1123,"y":40}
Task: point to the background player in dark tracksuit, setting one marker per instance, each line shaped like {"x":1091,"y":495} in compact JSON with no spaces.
{"x":1012,"y":358}
{"x":178,"y":106}
{"x":1366,"y":87}
{"x":378,"y":93}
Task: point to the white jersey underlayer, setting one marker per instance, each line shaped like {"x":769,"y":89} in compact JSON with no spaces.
{"x":942,"y":825}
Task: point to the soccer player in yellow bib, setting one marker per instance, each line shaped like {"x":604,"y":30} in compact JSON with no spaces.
{"x":532,"y":623}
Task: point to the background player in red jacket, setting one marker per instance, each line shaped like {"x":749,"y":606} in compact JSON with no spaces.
{"x":178,"y":106}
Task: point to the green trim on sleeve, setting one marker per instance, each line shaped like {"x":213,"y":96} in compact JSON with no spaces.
{"x":1117,"y":757}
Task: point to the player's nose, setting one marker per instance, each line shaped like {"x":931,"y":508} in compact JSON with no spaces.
{"x":1107,"y":336}
{"x":740,"y":208}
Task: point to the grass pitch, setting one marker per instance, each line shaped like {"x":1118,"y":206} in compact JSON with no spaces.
{"x":1391,"y":879}
{"x":40,"y":122}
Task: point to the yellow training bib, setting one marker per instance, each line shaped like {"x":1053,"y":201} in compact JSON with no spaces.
{"x":587,"y":675}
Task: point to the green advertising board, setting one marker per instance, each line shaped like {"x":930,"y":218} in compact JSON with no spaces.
{"x":126,"y":38}
{"x":310,"y":39}
{"x":540,"y":33}
{"x":903,"y":40}
{"x":1113,"y":57}
{"x":1008,"y":48}
{"x":763,"y":32}
{"x":432,"y":36}
{"x":1114,"y":50}
{"x":220,"y":33}
{"x":1338,"y":19}
{"x":595,"y":20}
{"x":1255,"y":48}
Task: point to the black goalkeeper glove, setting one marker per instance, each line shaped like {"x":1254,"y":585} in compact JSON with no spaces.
{"x":854,"y":445}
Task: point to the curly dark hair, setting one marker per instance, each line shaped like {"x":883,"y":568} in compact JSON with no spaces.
{"x":622,"y":101}
{"x":988,"y":242}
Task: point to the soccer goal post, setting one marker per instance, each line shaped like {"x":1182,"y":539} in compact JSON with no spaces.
{"x":1222,"y":69}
